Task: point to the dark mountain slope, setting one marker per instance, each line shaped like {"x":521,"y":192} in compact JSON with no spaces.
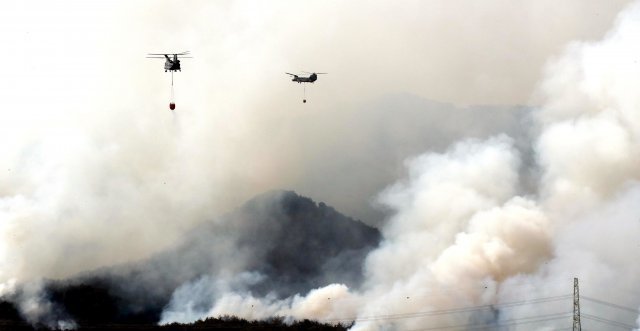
{"x":289,"y":241}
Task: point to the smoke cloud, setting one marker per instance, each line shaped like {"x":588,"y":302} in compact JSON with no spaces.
{"x":464,"y":233}
{"x":91,"y":158}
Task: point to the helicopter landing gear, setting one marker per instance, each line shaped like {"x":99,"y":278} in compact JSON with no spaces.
{"x":304,"y":100}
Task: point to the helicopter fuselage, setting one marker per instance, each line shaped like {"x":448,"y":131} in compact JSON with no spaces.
{"x":309,"y":79}
{"x":172,"y":64}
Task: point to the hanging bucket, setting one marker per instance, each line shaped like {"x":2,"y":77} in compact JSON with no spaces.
{"x":172,"y":104}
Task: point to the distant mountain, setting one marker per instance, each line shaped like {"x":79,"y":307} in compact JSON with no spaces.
{"x":289,"y":241}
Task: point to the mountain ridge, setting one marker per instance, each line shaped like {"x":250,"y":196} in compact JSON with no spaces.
{"x":294,"y":243}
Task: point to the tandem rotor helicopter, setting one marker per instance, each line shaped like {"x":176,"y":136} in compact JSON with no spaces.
{"x":171,"y":64}
{"x":313,"y":76}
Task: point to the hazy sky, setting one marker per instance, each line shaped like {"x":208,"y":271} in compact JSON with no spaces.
{"x":453,"y":51}
{"x":76,"y":65}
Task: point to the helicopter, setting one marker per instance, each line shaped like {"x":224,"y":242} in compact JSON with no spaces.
{"x":313,"y":76}
{"x":171,"y":64}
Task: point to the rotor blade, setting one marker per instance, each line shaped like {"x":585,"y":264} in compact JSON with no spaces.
{"x":320,"y":73}
{"x":158,"y":54}
{"x":154,"y":57}
{"x":290,"y":74}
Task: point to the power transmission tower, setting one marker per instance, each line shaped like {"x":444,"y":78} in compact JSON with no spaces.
{"x":576,"y":306}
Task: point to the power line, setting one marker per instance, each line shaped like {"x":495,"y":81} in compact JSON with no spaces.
{"x":505,"y":323}
{"x":527,"y":320}
{"x":517,"y":321}
{"x":449,"y":311}
{"x":613,"y":305}
{"x":505,"y":305}
{"x":608,"y":321}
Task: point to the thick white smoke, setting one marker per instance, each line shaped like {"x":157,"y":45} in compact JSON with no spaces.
{"x":35,"y":306}
{"x":93,"y":172}
{"x":90,"y":155}
{"x":458,"y":226}
{"x":463,"y":234}
{"x":194,"y":301}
